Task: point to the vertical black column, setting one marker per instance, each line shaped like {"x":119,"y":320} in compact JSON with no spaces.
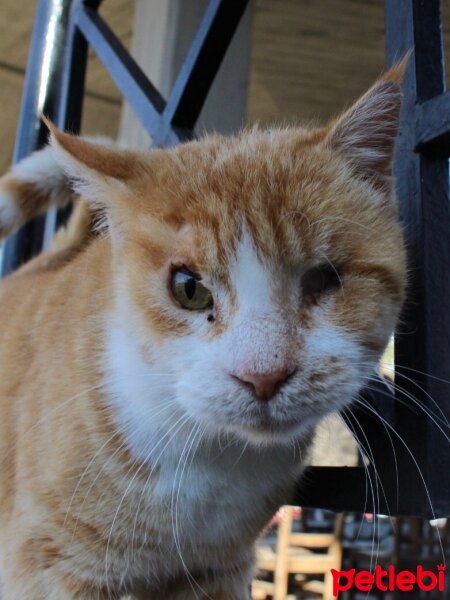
{"x":422,"y":349}
{"x":40,"y":95}
{"x":70,"y":95}
{"x":409,"y":341}
{"x":434,"y":181}
{"x":54,"y":87}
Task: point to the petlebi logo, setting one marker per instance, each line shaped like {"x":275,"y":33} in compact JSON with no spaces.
{"x":389,"y":580}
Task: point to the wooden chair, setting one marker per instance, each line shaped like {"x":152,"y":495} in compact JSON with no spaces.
{"x":294,"y":554}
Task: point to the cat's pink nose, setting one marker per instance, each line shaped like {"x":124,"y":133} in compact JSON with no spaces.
{"x":265,"y":385}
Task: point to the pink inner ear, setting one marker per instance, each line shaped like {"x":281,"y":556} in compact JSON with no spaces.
{"x":365,"y":134}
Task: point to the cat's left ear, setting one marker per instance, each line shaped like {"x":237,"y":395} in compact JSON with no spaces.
{"x":365,"y":134}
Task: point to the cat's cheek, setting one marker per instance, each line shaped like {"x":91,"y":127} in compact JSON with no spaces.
{"x":207,"y":393}
{"x":383,"y":326}
{"x":200,"y":392}
{"x":367,"y":310}
{"x":339,"y":356}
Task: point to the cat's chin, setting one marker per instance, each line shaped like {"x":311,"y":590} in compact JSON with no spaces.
{"x":276,"y":432}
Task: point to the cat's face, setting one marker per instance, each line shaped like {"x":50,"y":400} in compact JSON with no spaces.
{"x":258,"y":278}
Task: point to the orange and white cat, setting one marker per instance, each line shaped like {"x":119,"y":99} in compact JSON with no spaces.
{"x":160,"y":381}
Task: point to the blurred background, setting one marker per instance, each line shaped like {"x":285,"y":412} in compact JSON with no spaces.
{"x":293,"y":60}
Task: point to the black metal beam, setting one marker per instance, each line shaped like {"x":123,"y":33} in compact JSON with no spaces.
{"x":43,"y":82}
{"x":201,"y":65}
{"x":140,"y":93}
{"x":410,"y":336}
{"x":433,"y":103}
{"x":433,"y":126}
{"x":422,"y":347}
{"x":434,"y":246}
{"x":334,"y":485}
{"x":68,"y":113}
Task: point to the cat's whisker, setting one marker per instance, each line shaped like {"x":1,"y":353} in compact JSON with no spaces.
{"x":241,"y":454}
{"x":178,"y":425}
{"x":80,"y":509}
{"x":50,"y":412}
{"x":199,"y":434}
{"x":433,"y":416}
{"x":364,"y":453}
{"x":174,"y":504}
{"x":378,"y":483}
{"x":417,"y":403}
{"x":336,"y":272}
{"x":413,"y":458}
{"x":292,"y":213}
{"x":394,"y":454}
{"x":363,"y":461}
{"x":345,"y":220}
{"x":86,"y":469}
{"x":122,"y":446}
{"x":418,"y":386}
{"x":396,"y":385}
{"x":403,"y":368}
{"x":149,"y":476}
{"x":223,"y":449}
{"x":387,"y":424}
{"x":147,"y":451}
{"x":294,"y":447}
{"x":165,"y":404}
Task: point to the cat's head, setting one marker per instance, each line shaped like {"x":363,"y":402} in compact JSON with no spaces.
{"x":258,"y":277}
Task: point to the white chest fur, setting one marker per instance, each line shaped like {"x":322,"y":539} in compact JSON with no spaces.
{"x":221,"y":492}
{"x":208,"y":492}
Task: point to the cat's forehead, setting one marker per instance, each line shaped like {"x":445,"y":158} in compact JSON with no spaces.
{"x":284,"y":195}
{"x":285,"y":191}
{"x":260,"y":182}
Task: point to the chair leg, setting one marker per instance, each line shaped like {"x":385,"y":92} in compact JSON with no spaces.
{"x":281,"y":588}
{"x":328,"y":587}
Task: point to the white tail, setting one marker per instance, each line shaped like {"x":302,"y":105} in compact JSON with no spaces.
{"x":30,"y":187}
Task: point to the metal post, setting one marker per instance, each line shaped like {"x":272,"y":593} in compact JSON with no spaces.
{"x":422,"y":346}
{"x":42,"y":94}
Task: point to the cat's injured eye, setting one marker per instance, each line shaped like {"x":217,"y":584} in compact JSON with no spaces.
{"x":320,"y":279}
{"x":189,"y":292}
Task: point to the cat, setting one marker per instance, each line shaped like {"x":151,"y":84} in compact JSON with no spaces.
{"x":160,"y":381}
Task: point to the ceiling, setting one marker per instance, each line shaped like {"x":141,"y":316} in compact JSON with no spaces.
{"x":309,"y":59}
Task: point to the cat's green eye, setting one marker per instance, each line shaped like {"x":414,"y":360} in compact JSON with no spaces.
{"x":189,"y":292}
{"x":320,"y":279}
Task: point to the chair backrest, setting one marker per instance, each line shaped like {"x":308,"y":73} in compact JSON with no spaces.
{"x":316,"y":540}
{"x":294,"y":554}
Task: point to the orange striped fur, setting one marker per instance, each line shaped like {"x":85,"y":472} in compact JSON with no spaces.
{"x":145,"y":445}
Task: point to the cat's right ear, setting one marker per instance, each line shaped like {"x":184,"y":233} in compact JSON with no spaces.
{"x":107,"y":177}
{"x":95,"y":169}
